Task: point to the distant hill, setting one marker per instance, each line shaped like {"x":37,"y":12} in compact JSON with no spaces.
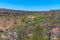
{"x":21,"y":12}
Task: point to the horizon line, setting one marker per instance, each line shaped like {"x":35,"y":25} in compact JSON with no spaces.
{"x":28,"y":10}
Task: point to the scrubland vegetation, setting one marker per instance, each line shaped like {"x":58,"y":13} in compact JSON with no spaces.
{"x":28,"y":27}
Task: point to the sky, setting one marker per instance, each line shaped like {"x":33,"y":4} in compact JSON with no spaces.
{"x":30,"y":5}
